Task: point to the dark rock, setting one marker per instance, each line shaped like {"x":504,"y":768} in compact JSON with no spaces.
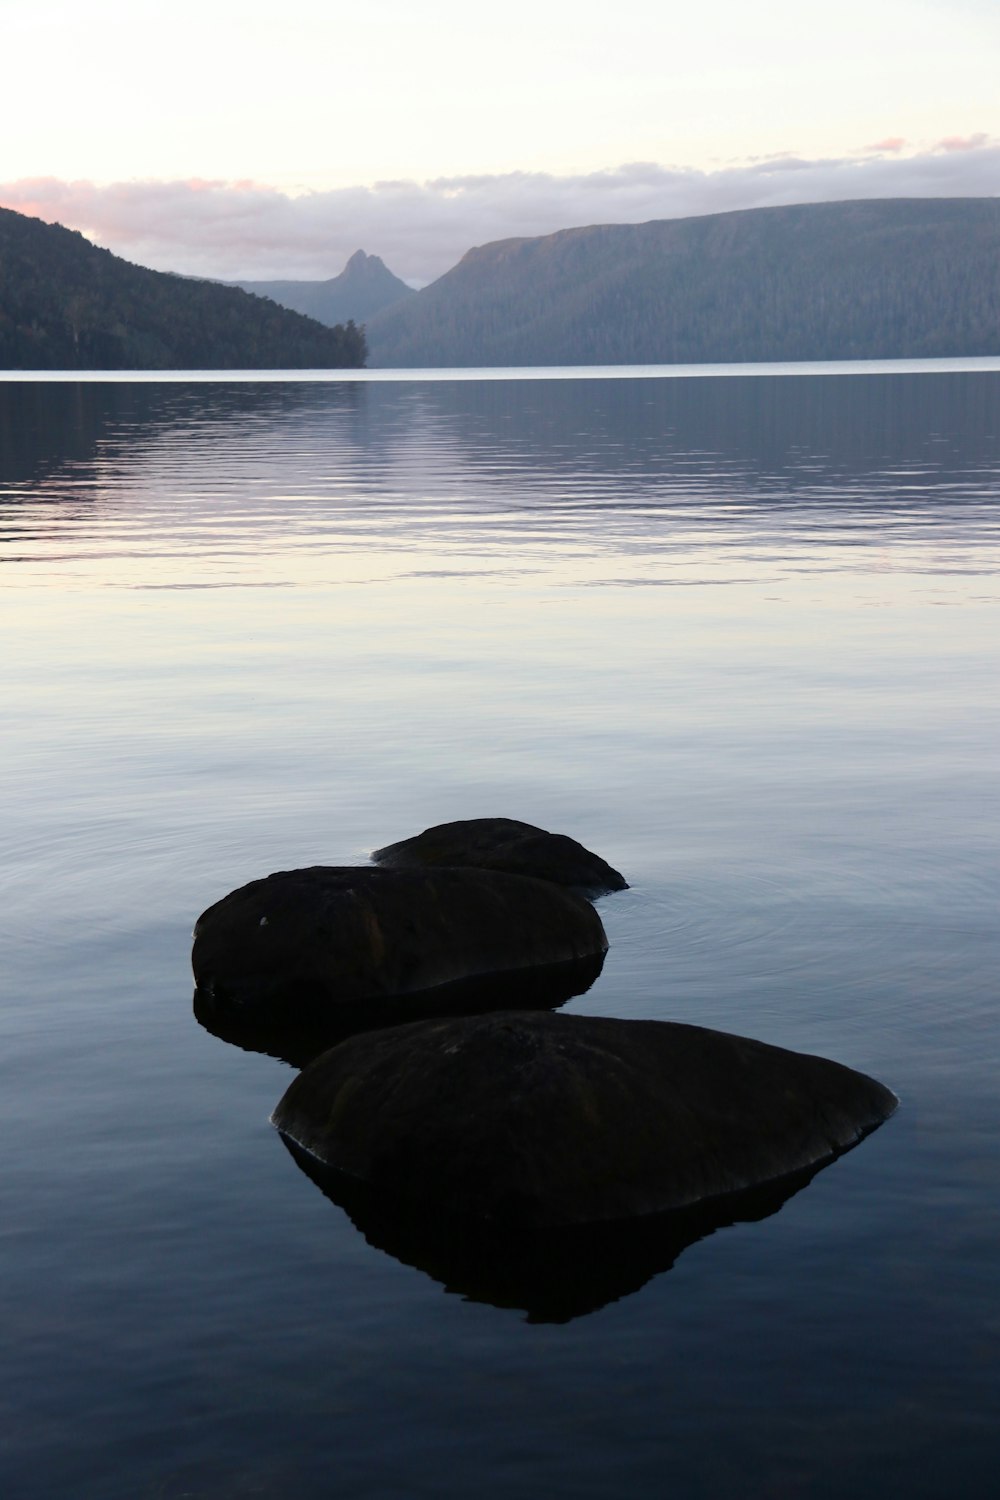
{"x":547,"y":1119}
{"x":298,"y":1037}
{"x":297,"y":943}
{"x":553,"y":1274}
{"x":504,"y":844}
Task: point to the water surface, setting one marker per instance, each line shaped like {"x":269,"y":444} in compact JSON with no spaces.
{"x":739,"y":634}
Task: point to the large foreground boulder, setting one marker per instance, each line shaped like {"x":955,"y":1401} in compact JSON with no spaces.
{"x":548,"y":1119}
{"x":505,"y":844}
{"x":300,"y":942}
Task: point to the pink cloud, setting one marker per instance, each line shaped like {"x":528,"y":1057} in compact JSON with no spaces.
{"x":963,"y":142}
{"x":891,"y":143}
{"x":252,"y":231}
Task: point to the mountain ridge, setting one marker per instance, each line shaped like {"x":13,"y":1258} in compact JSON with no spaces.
{"x":868,"y":278}
{"x":364,"y":287}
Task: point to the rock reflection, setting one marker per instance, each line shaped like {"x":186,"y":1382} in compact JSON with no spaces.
{"x":553,"y":1276}
{"x":546,"y":987}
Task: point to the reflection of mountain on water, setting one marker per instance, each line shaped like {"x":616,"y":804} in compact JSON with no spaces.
{"x":445,"y":465}
{"x":47,"y":426}
{"x":546,"y":987}
{"x":552,"y":1276}
{"x":644,"y":436}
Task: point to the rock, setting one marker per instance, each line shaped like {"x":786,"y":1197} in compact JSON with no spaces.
{"x":504,"y":844}
{"x":296,"y":944}
{"x":549,"y":1119}
{"x":297,"y":1034}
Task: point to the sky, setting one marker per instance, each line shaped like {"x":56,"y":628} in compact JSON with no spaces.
{"x":248,"y":140}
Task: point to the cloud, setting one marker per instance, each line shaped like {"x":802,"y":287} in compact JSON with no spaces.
{"x":247,"y":230}
{"x":891,"y":143}
{"x":963,"y":142}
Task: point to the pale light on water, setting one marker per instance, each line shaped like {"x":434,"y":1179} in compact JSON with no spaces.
{"x":738,"y":634}
{"x":966,"y":364}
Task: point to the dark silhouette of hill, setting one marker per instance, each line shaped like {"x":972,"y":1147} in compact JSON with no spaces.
{"x":892,"y":278}
{"x":364,"y":287}
{"x":67,"y":305}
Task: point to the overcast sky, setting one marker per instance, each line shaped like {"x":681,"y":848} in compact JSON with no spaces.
{"x":245,"y":140}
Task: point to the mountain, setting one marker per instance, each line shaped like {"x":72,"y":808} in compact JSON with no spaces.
{"x":67,"y":305}
{"x":365,"y":286}
{"x":891,"y":278}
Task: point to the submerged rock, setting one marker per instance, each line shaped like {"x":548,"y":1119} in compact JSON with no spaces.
{"x":547,"y":1120}
{"x":298,"y":943}
{"x":504,"y":844}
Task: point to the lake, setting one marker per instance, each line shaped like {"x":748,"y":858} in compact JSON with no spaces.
{"x":738,"y":633}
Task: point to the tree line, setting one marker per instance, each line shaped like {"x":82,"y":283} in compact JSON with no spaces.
{"x":65,"y":304}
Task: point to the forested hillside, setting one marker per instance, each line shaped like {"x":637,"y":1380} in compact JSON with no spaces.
{"x":66,"y":305}
{"x":894,"y":278}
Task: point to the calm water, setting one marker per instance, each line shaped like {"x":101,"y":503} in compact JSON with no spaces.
{"x":738,"y":634}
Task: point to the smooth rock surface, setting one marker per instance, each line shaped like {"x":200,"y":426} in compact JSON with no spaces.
{"x":505,"y":844}
{"x":549,"y":1119}
{"x":299,"y":942}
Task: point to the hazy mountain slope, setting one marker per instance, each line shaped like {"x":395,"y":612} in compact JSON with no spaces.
{"x":65,"y":304}
{"x":363,"y":288}
{"x":885,"y":278}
